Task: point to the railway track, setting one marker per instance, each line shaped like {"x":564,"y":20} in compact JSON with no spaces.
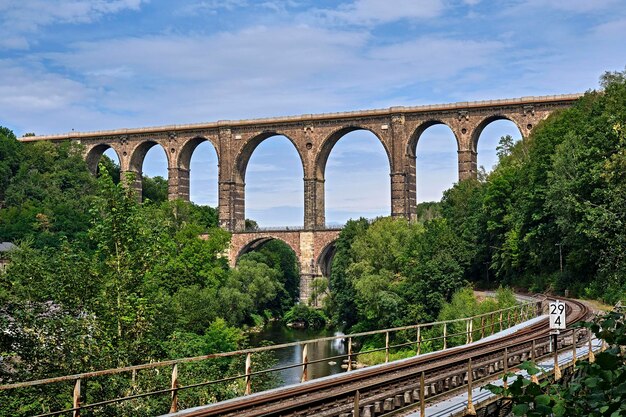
{"x":381,"y":389}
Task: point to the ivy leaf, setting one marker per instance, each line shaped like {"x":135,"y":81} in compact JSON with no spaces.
{"x":520,"y":409}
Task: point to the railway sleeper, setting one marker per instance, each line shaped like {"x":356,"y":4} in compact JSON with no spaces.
{"x":408,"y":397}
{"x":388,"y":404}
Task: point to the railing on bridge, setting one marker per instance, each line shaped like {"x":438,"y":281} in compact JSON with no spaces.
{"x":425,"y":337}
{"x":290,"y":229}
{"x":476,"y":371}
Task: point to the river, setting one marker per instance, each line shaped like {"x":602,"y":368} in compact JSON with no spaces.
{"x":278,"y":333}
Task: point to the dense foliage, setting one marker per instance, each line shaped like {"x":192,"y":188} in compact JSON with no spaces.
{"x":101,"y":280}
{"x":595,"y":389}
{"x":562,"y":188}
{"x":301,"y":315}
{"x":392,"y":273}
{"x":560,"y":191}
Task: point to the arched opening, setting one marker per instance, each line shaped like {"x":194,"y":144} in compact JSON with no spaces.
{"x":199,"y":160}
{"x":487,"y":139}
{"x":111,"y":160}
{"x":325,"y":259}
{"x":272,"y":170}
{"x":436,"y":162}
{"x":279,"y":256}
{"x":150,"y":162}
{"x":355,"y":166}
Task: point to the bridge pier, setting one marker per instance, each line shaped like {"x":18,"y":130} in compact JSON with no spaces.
{"x":135,"y":178}
{"x":178,"y":184}
{"x":314,"y":215}
{"x":468,"y":164}
{"x":231,"y":206}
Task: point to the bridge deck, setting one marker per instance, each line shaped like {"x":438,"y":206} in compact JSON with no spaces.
{"x":457,"y":405}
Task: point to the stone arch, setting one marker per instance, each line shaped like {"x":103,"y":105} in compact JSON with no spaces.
{"x":139,"y":152}
{"x":95,"y":153}
{"x":189,"y":146}
{"x":331,"y":140}
{"x":411,"y":149}
{"x":245,"y":153}
{"x":415,"y":192}
{"x":325,"y":258}
{"x":179,"y":181}
{"x":255,"y":240}
{"x":486,"y":121}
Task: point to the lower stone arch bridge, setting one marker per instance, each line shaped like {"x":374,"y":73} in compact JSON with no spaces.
{"x":314,"y":250}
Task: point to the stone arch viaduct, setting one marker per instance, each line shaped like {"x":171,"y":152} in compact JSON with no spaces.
{"x":313,"y":136}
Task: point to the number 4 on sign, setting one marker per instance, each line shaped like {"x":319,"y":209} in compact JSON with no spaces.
{"x":557,"y":315}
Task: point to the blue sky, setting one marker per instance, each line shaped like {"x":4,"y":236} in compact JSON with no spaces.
{"x":105,"y":64}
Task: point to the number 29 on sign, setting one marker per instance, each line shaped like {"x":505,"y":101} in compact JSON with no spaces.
{"x":557,"y":315}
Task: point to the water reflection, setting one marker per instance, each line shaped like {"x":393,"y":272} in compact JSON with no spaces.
{"x":278,"y":333}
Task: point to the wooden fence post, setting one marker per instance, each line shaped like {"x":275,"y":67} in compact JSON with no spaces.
{"x":248,"y":372}
{"x":422,"y":395}
{"x":305,"y":363}
{"x":419,"y":339}
{"x":482,"y":327}
{"x":445,"y":333}
{"x":386,"y":347}
{"x":471,"y":411}
{"x":76,"y":399}
{"x":349,"y":354}
{"x":505,"y":366}
{"x":174,"y":405}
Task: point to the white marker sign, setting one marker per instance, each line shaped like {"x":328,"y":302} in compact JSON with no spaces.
{"x":557,"y":315}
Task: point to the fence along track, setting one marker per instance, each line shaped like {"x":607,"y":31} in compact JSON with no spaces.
{"x":381,"y":389}
{"x":486,"y":324}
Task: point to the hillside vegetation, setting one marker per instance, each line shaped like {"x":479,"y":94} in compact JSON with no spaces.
{"x":562,"y":188}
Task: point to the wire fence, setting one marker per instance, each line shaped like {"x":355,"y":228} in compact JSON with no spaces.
{"x":255,"y":367}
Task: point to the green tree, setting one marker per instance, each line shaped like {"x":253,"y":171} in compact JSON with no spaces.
{"x":250,"y":288}
{"x":595,"y":389}
{"x":341,"y":301}
{"x":278,"y":255}
{"x":154,"y":189}
{"x":49,"y":195}
{"x":10,"y":158}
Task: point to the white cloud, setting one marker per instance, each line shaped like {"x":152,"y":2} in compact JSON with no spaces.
{"x":576,"y":6}
{"x":259,"y":71}
{"x":584,"y":7}
{"x":374,"y":12}
{"x":20,"y":19}
{"x":211,"y":6}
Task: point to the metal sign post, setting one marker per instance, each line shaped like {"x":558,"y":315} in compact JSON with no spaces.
{"x":557,"y":323}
